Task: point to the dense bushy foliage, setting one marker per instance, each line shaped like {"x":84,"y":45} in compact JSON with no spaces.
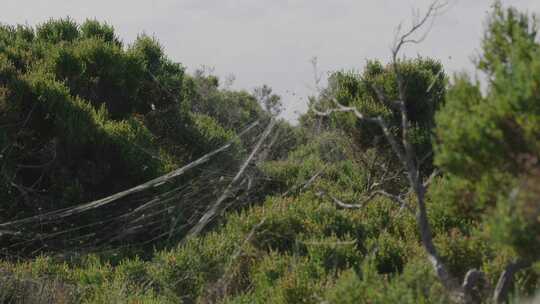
{"x":78,"y":105}
{"x":83,"y":116}
{"x":489,"y":144}
{"x":423,"y":79}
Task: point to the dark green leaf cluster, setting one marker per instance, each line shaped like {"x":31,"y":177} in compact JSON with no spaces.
{"x":489,"y":144}
{"x":83,"y":116}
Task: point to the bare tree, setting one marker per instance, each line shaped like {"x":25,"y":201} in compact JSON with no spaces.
{"x":407,"y":157}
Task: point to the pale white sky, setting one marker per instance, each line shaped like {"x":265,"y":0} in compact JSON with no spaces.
{"x":271,"y":42}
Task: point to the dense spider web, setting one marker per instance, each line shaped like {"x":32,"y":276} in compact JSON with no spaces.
{"x":160,"y":212}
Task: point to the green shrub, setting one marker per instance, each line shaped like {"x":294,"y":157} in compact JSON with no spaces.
{"x":286,"y":279}
{"x":55,"y":31}
{"x":490,"y":158}
{"x":209,"y":129}
{"x":516,"y":219}
{"x":486,"y":155}
{"x":109,"y":76}
{"x":334,"y":254}
{"x":92,"y":28}
{"x":388,"y":253}
{"x":424,"y":83}
{"x":415,"y":285}
{"x":461,"y":252}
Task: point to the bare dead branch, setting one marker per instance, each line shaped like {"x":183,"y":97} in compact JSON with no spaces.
{"x":400,"y":201}
{"x":403,"y":148}
{"x":430,"y":179}
{"x":350,"y":206}
{"x":504,"y":283}
{"x":472,"y":280}
{"x":418,"y":22}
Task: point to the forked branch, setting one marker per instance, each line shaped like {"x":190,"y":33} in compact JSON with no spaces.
{"x":404,"y":150}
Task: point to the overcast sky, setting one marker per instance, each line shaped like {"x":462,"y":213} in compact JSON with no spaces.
{"x":272,"y":41}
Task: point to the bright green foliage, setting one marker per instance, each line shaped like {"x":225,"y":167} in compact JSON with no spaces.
{"x":94,"y":281}
{"x":107,"y":154}
{"x":96,"y":29}
{"x":415,"y":285}
{"x":516,"y":220}
{"x":297,"y":255}
{"x":485,"y":138}
{"x":103,"y":117}
{"x":451,"y":205}
{"x":55,"y":31}
{"x":507,"y":28}
{"x":304,"y":162}
{"x":210,"y":130}
{"x":83,"y":117}
{"x":424,"y":94}
{"x":232,"y":109}
{"x":489,"y":144}
{"x":303,"y":250}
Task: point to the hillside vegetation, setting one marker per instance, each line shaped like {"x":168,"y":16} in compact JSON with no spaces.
{"x":400,"y":184}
